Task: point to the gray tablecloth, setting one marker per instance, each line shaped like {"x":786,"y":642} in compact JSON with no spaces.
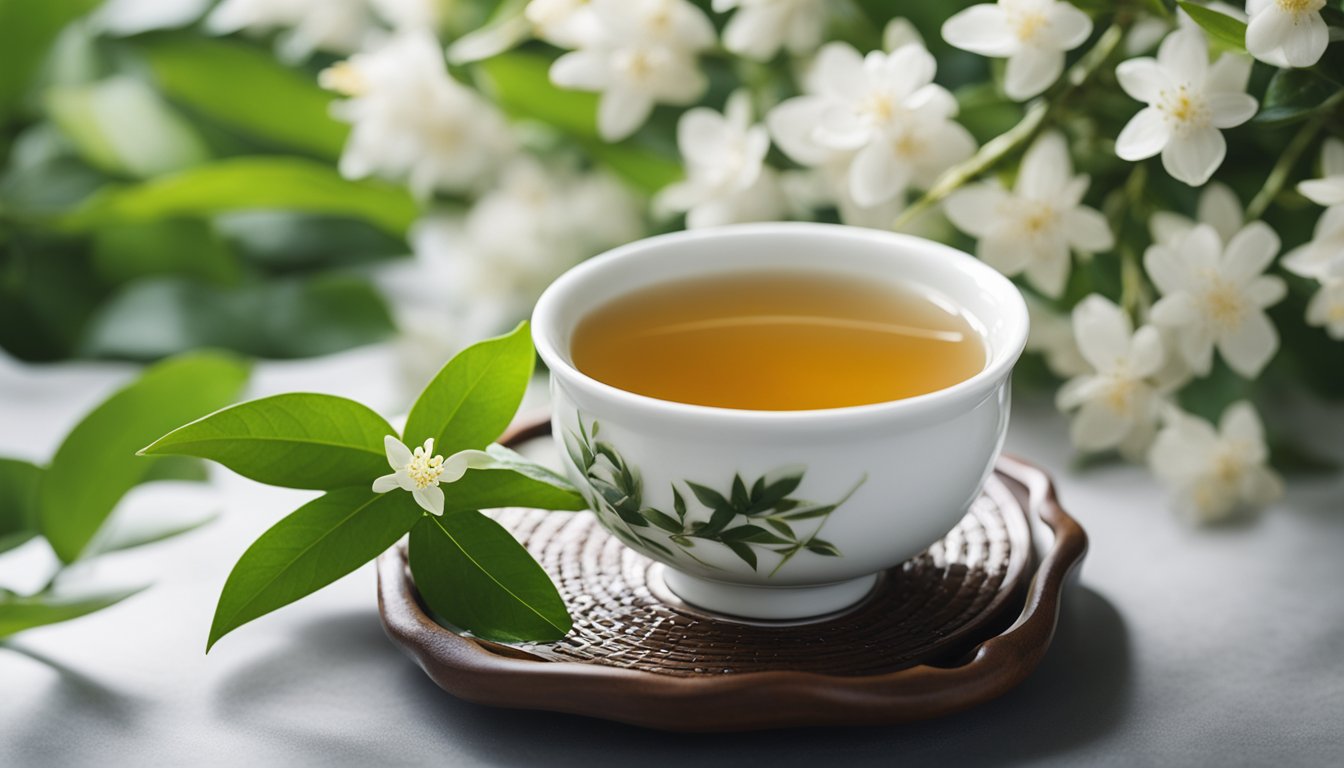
{"x":1181,"y":646}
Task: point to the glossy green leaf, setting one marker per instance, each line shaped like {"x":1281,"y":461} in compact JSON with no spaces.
{"x":96,"y":464}
{"x":168,"y":247}
{"x":297,"y":440}
{"x":122,"y":126}
{"x":473,"y":398}
{"x":246,"y":183}
{"x":642,"y":168}
{"x":18,"y":613}
{"x":246,"y":88}
{"x":18,"y":502}
{"x":281,"y":318}
{"x":1294,"y":94}
{"x":521,"y":83}
{"x":1220,"y":26}
{"x":284,"y":241}
{"x":27,"y":30}
{"x":474,"y":574}
{"x":515,"y":482}
{"x":315,"y":545}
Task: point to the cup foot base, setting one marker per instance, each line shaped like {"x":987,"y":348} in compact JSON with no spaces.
{"x":769,"y":604}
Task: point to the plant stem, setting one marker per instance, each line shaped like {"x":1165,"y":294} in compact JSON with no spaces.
{"x":998,"y":147}
{"x":1278,"y":175}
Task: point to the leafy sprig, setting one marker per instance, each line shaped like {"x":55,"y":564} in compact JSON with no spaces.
{"x":469,"y":570}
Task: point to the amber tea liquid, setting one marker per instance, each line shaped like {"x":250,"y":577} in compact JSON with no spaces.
{"x":778,"y":341}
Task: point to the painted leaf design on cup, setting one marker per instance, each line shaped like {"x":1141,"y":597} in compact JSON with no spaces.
{"x":747,"y":519}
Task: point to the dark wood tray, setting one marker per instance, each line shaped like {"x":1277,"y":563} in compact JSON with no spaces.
{"x":957,"y":625}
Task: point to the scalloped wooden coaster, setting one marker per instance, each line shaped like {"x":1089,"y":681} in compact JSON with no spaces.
{"x":929,"y":640}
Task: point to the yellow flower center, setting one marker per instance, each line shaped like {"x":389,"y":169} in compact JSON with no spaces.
{"x":1227,"y":469}
{"x":1039,"y":219}
{"x":909,"y":145}
{"x":1298,"y":7}
{"x":424,"y":468}
{"x":1027,"y":25}
{"x":637,"y":64}
{"x":1119,"y":394}
{"x":1335,"y":312}
{"x":343,"y":78}
{"x":1182,"y":109}
{"x":1223,"y":304}
{"x":878,"y":107}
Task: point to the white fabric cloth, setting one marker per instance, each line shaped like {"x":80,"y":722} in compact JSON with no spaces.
{"x":1180,"y":646}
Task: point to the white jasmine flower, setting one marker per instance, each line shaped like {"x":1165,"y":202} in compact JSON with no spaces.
{"x":1322,"y":259}
{"x":898,"y":32}
{"x":1032,"y":34}
{"x":1188,"y":101}
{"x":882,"y":112}
{"x":131,"y":17}
{"x":1218,"y":207}
{"x":1286,"y":33}
{"x":336,"y":26}
{"x":1051,"y":336}
{"x":564,"y":23}
{"x":644,"y":54}
{"x":1116,"y":399}
{"x":423,"y":471}
{"x":727,"y":180}
{"x":761,"y":27}
{"x":1215,"y":472}
{"x":1328,"y":190}
{"x":1213,"y":296}
{"x":1033,"y":227}
{"x":412,"y":121}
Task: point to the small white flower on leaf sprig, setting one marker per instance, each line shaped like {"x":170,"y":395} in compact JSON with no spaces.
{"x":1217,"y":206}
{"x":422,"y":472}
{"x":1032,"y":34}
{"x":1216,"y":297}
{"x":1329,"y":189}
{"x":1189,"y":103}
{"x":881,"y":114}
{"x":1215,"y":472}
{"x":644,"y":53}
{"x":1116,"y":402}
{"x":1286,"y":33}
{"x":1033,"y":227}
{"x":727,"y":180}
{"x":761,"y":27}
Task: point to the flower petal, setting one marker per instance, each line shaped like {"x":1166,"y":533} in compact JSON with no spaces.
{"x":837,"y":73}
{"x":1219,"y":208}
{"x":793,"y":125}
{"x":1069,"y":27}
{"x":1007,"y":254}
{"x":1048,"y":270}
{"x":1249,"y":347}
{"x":398,"y":455}
{"x":1240,"y":422}
{"x":1103,"y":332}
{"x":1045,"y":170}
{"x":1166,"y":269}
{"x":1176,"y":311}
{"x":1143,"y":136}
{"x":1250,"y":251}
{"x":1267,"y":31}
{"x":1030,"y":71}
{"x":976,"y":209}
{"x":385,"y":483}
{"x":1194,"y":157}
{"x":1097,"y":426}
{"x":1228,"y":109}
{"x":621,"y":112}
{"x":430,"y":499}
{"x":588,"y":70}
{"x":1267,"y":290}
{"x":1143,"y":79}
{"x":1231,"y":72}
{"x":1087,"y":230}
{"x":1326,"y":192}
{"x":1185,"y":54}
{"x":981,"y":29}
{"x":1306,"y":43}
{"x":876,"y":174}
{"x":1146,"y":353}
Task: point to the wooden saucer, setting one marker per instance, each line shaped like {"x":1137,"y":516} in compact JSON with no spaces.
{"x":955,"y":626}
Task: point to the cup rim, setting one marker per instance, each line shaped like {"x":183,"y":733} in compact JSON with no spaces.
{"x":546,"y":330}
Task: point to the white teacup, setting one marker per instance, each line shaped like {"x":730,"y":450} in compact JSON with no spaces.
{"x":860,"y":489}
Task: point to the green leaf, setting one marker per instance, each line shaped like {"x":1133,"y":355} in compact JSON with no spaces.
{"x":172,"y":247}
{"x":245,"y":88}
{"x":474,"y":574}
{"x":280,"y":318}
{"x":1220,"y":26}
{"x":678,"y":504}
{"x":1294,"y":94}
{"x":123,"y":535}
{"x":740,"y":498}
{"x":782,"y":527}
{"x":662,"y":520}
{"x":315,"y":545}
{"x":245,"y":183}
{"x":18,"y":613}
{"x":644,"y":169}
{"x":809,"y":512}
{"x":297,"y":440}
{"x":27,"y":30}
{"x":822,"y":547}
{"x":750,"y":533}
{"x":746,"y":553}
{"x":520,"y":83}
{"x":474,"y":397}
{"x":18,"y":502}
{"x":515,"y":482}
{"x":182,"y":469}
{"x":96,"y":464}
{"x":708,"y":496}
{"x":283,"y":241}
{"x":122,"y":126}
